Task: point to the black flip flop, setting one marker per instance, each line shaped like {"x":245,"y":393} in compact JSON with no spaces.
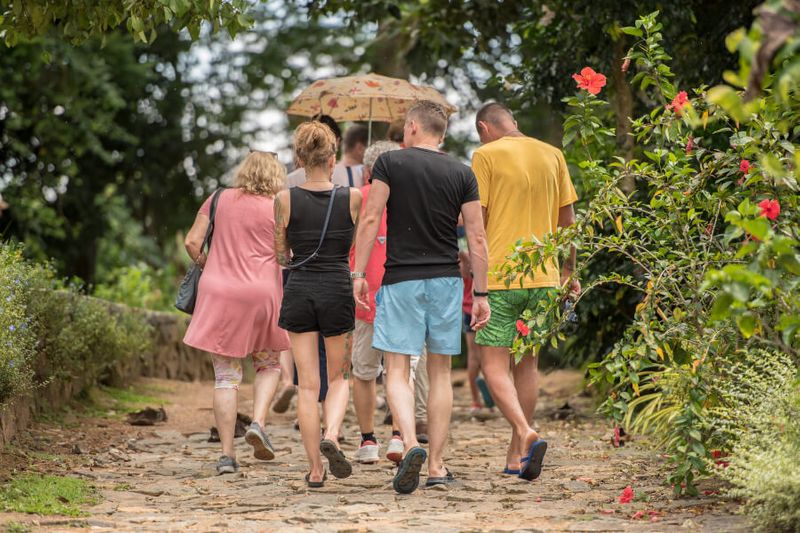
{"x":531,"y":466}
{"x":446,"y":480}
{"x":316,"y":484}
{"x":406,"y":480}
{"x":337,"y":462}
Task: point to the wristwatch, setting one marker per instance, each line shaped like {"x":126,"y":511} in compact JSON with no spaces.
{"x":477,"y":294}
{"x":358,"y":275}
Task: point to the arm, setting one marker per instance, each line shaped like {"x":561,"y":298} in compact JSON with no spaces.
{"x":479,"y":261}
{"x":356,"y":200}
{"x":566,"y":218}
{"x":194,"y":240}
{"x":281,"y":206}
{"x":365,"y":238}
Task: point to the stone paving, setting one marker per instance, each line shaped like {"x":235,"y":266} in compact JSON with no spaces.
{"x":162,"y":479}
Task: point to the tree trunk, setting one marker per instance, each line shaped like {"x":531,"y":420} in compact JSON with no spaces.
{"x":623,"y":109}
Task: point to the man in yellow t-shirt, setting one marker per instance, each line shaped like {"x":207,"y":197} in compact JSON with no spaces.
{"x":525,"y":190}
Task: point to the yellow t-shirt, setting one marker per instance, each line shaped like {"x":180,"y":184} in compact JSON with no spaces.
{"x":523,"y":182}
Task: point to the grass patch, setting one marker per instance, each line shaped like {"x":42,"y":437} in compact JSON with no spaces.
{"x":46,"y":495}
{"x":17,"y":527}
{"x":123,"y":487}
{"x":129,"y":398}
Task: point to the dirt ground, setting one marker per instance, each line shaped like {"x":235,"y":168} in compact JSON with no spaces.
{"x":162,"y":478}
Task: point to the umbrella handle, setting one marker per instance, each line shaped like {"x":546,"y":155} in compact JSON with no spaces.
{"x":369,"y":127}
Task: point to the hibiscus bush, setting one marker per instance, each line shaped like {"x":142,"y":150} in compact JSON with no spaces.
{"x":708,"y":241}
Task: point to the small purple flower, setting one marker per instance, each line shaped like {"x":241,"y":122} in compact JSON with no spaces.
{"x":12,"y":327}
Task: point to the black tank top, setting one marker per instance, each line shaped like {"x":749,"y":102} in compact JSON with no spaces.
{"x":308,"y":209}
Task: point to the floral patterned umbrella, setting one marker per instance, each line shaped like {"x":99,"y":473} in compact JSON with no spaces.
{"x":366,"y":97}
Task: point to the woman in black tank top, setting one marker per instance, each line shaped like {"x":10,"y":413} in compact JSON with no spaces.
{"x":318,"y":297}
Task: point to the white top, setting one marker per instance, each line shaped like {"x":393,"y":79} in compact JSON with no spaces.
{"x":298,"y":176}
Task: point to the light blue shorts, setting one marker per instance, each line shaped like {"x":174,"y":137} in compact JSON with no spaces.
{"x":414,"y":314}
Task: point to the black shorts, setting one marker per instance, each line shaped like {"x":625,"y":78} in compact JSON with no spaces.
{"x":318,"y":301}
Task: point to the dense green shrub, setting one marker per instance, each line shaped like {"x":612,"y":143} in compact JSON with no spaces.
{"x":763,"y":466}
{"x":141,"y":286}
{"x":709,"y":240}
{"x":17,"y":339}
{"x":53,"y":331}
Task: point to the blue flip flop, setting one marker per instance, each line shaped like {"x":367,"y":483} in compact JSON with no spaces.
{"x":531,"y":466}
{"x":510,"y":471}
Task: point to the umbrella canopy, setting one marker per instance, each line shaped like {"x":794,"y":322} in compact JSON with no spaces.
{"x":366,"y":97}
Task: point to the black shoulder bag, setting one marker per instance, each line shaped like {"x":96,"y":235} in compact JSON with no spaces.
{"x":187,"y":292}
{"x":294,"y":266}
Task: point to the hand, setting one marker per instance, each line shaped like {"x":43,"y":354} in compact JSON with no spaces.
{"x":575,"y":284}
{"x":361,"y":293}
{"x":201,"y":260}
{"x":480,"y":312}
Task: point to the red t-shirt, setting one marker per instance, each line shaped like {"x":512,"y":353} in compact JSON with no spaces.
{"x":377,"y":259}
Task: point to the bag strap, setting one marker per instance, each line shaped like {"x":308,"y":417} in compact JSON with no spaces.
{"x":210,"y":230}
{"x":350,"y":175}
{"x":315,"y":253}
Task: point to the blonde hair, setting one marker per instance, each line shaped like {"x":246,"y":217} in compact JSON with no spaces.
{"x":314,"y":144}
{"x":261,"y":173}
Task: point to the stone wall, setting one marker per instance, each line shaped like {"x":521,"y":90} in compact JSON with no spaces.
{"x":169,"y":358}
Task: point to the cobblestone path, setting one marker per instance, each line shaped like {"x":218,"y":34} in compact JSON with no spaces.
{"x":162,"y":479}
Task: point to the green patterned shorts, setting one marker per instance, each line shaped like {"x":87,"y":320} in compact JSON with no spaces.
{"x":507,"y":307}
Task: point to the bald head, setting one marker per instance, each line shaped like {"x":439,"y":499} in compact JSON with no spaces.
{"x":493,"y":121}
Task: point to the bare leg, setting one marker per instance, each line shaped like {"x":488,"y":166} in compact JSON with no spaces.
{"x":364,"y":392}
{"x":305,"y":350}
{"x":287,"y":369}
{"x":495,"y":363}
{"x":338,"y":352}
{"x":473,"y":368}
{"x":268,"y":373}
{"x":526,"y":381}
{"x":400,"y":395}
{"x":440,"y":408}
{"x":421,"y":388}
{"x":225,"y":403}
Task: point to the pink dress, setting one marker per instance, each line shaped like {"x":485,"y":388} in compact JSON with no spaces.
{"x":241,"y":289}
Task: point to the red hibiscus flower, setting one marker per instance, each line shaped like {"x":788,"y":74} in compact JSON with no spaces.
{"x":371,"y":83}
{"x":333,"y":103}
{"x":770,"y":209}
{"x":744,"y":166}
{"x":590,"y":80}
{"x":627,"y":495}
{"x":523,"y":328}
{"x":680,"y":101}
{"x":689,"y":145}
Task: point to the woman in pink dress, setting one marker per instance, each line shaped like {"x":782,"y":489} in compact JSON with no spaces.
{"x":239,"y":299}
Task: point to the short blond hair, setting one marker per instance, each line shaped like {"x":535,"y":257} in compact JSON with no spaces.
{"x":261,"y":174}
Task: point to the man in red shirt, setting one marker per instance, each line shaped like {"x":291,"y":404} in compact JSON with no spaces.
{"x":366,"y":360}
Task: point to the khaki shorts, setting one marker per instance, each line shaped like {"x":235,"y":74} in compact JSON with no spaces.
{"x":366,"y":359}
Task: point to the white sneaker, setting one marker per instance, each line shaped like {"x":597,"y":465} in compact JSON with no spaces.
{"x":395,"y":450}
{"x":368,"y":453}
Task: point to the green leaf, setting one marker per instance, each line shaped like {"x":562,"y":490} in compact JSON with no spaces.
{"x":722,"y":306}
{"x":757,"y":227}
{"x":747,"y":324}
{"x":636,"y":32}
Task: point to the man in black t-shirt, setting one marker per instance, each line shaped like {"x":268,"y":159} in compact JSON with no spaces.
{"x":419,"y":302}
